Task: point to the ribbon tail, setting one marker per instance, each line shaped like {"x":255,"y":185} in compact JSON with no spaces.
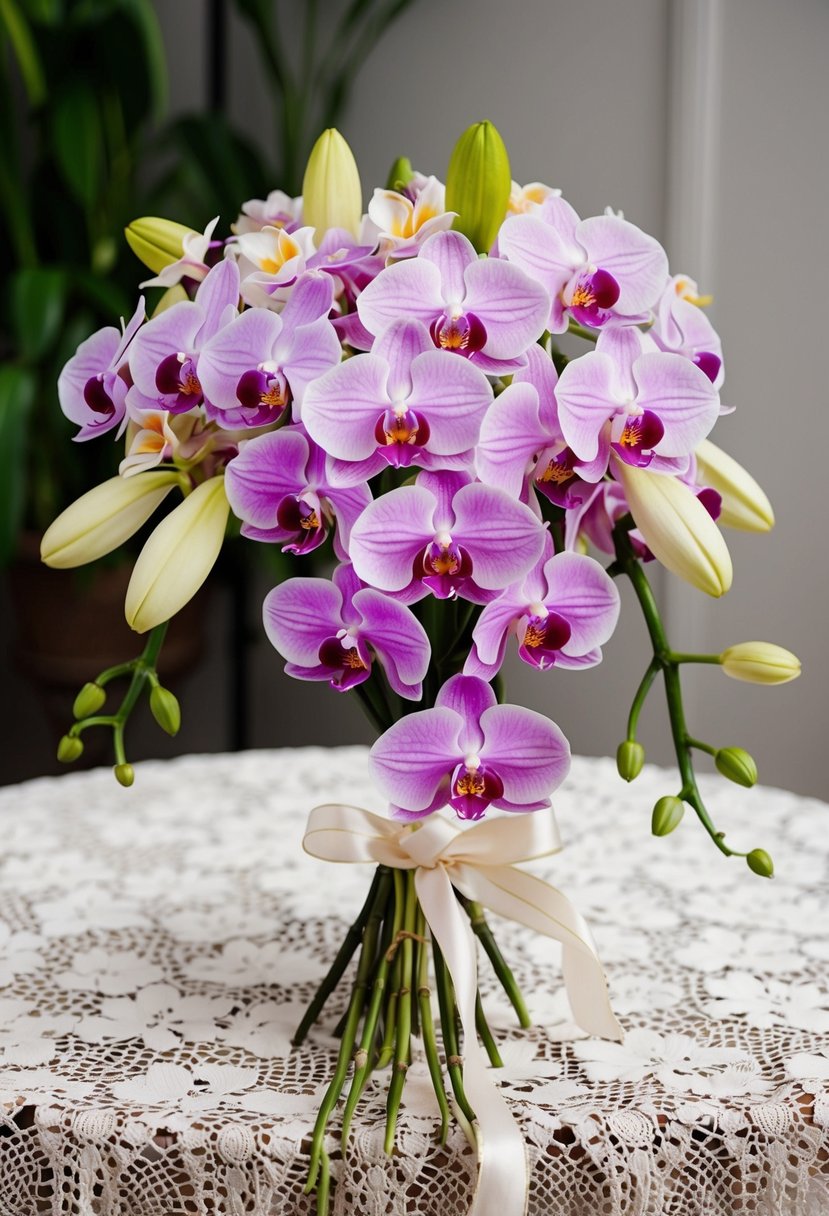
{"x":518,"y":896}
{"x":503,"y":1174}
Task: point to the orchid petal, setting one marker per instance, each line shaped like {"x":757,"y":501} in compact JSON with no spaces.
{"x":173,"y":331}
{"x":587,"y":598}
{"x":311,"y":298}
{"x":511,"y":435}
{"x":234,"y":350}
{"x":410,"y":289}
{"x":636,"y":260}
{"x":585,"y":395}
{"x":388,"y":536}
{"x":453,"y":396}
{"x":681,"y":395}
{"x":453,"y":254}
{"x":512,"y":307}
{"x":504,"y":538}
{"x":314,"y":351}
{"x":299,"y":615}
{"x":527,"y":750}
{"x":267,"y":468}
{"x":469,"y":697}
{"x":398,"y":345}
{"x":217,"y":297}
{"x":400,"y":640}
{"x":341,"y":409}
{"x":412,"y":760}
{"x":492,"y":629}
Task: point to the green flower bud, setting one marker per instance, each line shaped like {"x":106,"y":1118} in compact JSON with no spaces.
{"x":69,"y":749}
{"x":331,"y":193}
{"x":478,"y":184}
{"x":400,"y":174}
{"x":157,"y":242}
{"x":165,"y":709}
{"x":760,"y":663}
{"x":667,"y":815}
{"x":630,"y":756}
{"x":737,"y":765}
{"x":88,"y":701}
{"x":124,"y":774}
{"x":759,"y":862}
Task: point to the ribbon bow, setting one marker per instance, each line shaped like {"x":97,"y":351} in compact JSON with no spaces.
{"x":480,"y":862}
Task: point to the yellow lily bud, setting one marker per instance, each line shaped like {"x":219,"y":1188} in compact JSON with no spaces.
{"x":173,"y":295}
{"x":103,"y":518}
{"x":157,"y":242}
{"x":677,"y":528}
{"x":760,"y":663}
{"x":177,"y":557}
{"x":744,"y":505}
{"x":331,"y":193}
{"x":478,"y":184}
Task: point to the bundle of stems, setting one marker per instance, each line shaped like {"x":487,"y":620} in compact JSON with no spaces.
{"x":389,"y":1005}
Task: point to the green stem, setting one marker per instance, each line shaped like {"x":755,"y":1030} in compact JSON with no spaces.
{"x":446,"y":1003}
{"x":403,"y":1038}
{"x":485,"y":1033}
{"x":355,"y":1009}
{"x":641,"y":696}
{"x":694,"y":658}
{"x":700,"y":746}
{"x":581,"y":331}
{"x":390,"y":1015}
{"x":665,"y":659}
{"x":481,"y":929}
{"x":427,"y":1026}
{"x":335,"y":973}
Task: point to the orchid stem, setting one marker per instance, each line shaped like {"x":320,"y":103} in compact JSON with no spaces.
{"x":446,"y":1002}
{"x":581,"y":331}
{"x":482,"y":1026}
{"x":355,"y":1009}
{"x":403,"y":1040}
{"x":481,"y":929}
{"x":335,"y":973}
{"x":694,"y":658}
{"x":666,"y":660}
{"x":390,"y":1016}
{"x":642,"y":691}
{"x":427,"y":1027}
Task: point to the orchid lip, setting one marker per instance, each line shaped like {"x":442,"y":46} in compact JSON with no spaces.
{"x":176,"y":376}
{"x":709,"y":363}
{"x":343,"y":656}
{"x":401,"y":435}
{"x":445,"y":567}
{"x":260,"y":388}
{"x":463,"y":334}
{"x":544,"y":635}
{"x":296,"y":514}
{"x":96,"y":396}
{"x":473,"y":789}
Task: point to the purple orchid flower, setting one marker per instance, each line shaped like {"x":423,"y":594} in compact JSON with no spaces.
{"x":682,"y":327}
{"x":521,"y":443}
{"x":649,"y":407}
{"x":278,"y":485}
{"x":469,"y":753}
{"x":562,"y":613}
{"x":92,"y":388}
{"x":165,"y":352}
{"x":594,"y":270}
{"x":445,"y":535}
{"x":405,"y":403}
{"x":253,"y":368}
{"x":482,"y":308}
{"x":333,"y":630}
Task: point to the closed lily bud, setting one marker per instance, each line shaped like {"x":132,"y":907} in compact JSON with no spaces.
{"x":737,"y":765}
{"x":157,"y":242}
{"x":103,"y":518}
{"x":165,"y":709}
{"x":667,"y":815}
{"x":88,"y":701}
{"x":744,"y":505}
{"x":124,"y":774}
{"x":400,"y":174}
{"x":759,"y":862}
{"x":177,"y":557}
{"x":760,"y":663}
{"x":677,"y":528}
{"x":630,"y":756}
{"x":478,"y":184}
{"x":69,"y":749}
{"x":331,"y":193}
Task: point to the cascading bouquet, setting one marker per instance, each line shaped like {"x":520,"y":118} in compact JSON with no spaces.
{"x":389,"y":391}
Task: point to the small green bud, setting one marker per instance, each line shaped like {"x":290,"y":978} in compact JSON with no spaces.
{"x":737,"y":765}
{"x":70,"y":748}
{"x":478,"y":184}
{"x":165,"y":709}
{"x":759,"y":862}
{"x":124,"y":774}
{"x":400,"y":174}
{"x":630,"y":756}
{"x":667,"y":815}
{"x":88,"y":701}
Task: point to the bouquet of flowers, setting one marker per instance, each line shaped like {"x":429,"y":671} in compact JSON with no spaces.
{"x":397,"y":393}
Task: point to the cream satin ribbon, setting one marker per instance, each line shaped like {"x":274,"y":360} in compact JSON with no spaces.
{"x":480,"y":862}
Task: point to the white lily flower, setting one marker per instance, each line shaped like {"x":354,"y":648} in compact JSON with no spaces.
{"x":677,"y":528}
{"x":103,"y":518}
{"x":177,"y":557}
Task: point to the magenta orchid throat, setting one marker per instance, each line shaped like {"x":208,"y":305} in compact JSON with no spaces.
{"x":385,"y":397}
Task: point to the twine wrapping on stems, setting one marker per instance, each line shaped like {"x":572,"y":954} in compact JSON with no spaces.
{"x":480,"y":862}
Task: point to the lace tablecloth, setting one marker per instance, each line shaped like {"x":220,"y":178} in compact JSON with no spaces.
{"x":158,"y":945}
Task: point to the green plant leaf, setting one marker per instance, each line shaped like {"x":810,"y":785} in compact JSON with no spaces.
{"x":144,"y":17}
{"x":38,"y":300}
{"x":16,"y":28}
{"x":17,"y":393}
{"x":76,"y":130}
{"x":43,"y":12}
